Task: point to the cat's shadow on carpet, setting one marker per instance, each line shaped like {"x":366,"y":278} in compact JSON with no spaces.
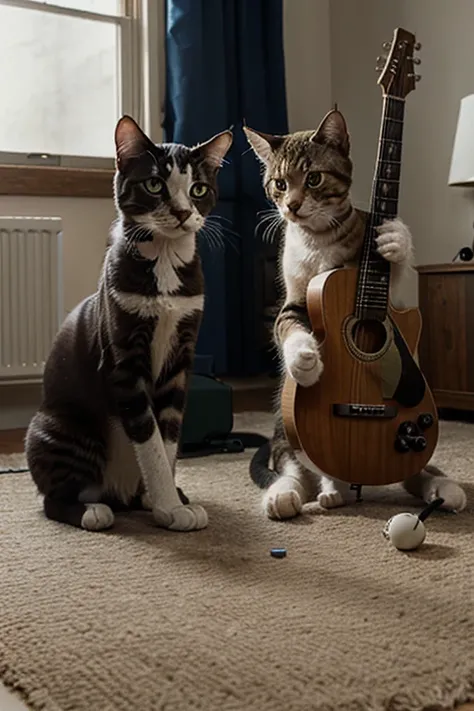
{"x":375,"y":505}
{"x":380,"y":506}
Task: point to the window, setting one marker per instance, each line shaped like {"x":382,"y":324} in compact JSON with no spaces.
{"x":69,"y":69}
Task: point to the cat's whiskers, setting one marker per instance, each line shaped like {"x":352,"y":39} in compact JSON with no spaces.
{"x":268,"y":211}
{"x":213,"y":235}
{"x":225,"y":231}
{"x":133,"y":238}
{"x":272,"y":221}
{"x":272,"y":230}
{"x":218,"y":234}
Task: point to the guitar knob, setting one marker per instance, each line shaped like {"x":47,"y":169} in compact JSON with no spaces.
{"x":402,"y":445}
{"x":418,"y":444}
{"x":408,"y":429}
{"x":425,"y":420}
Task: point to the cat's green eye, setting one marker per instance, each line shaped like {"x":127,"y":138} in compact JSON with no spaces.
{"x":314,"y":179}
{"x":154,"y":185}
{"x":198,"y":190}
{"x":280,"y":184}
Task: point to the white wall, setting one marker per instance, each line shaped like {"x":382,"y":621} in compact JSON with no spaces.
{"x":307,"y":62}
{"x":440,"y":217}
{"x":86,"y":224}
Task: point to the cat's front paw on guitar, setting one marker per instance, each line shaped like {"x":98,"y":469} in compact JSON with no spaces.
{"x":394,"y":243}
{"x":302,"y":359}
{"x":188,"y":517}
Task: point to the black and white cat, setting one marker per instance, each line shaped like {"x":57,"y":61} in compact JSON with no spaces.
{"x":114,"y":390}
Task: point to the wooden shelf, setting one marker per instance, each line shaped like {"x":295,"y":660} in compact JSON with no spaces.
{"x":451,"y":267}
{"x":446,"y":352}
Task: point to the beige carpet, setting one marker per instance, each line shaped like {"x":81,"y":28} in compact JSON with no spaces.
{"x":140,"y":619}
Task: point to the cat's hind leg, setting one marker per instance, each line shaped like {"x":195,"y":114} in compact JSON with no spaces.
{"x":66,"y":465}
{"x":91,"y":517}
{"x":431,"y":483}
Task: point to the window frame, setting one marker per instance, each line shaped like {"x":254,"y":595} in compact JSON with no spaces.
{"x":141,"y":87}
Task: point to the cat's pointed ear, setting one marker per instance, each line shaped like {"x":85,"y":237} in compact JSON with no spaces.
{"x":333,"y":130}
{"x":130,"y":141}
{"x":263,"y":144}
{"x":214,"y":150}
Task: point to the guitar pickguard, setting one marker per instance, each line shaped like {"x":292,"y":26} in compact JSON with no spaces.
{"x":410,"y":386}
{"x":391,"y":369}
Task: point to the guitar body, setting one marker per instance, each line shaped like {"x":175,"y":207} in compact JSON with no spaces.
{"x":365,"y":365}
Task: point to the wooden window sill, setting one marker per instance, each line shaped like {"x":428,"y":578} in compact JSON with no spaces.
{"x":52,"y":181}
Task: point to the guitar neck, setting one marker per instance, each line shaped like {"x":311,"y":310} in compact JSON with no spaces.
{"x":374,"y":273}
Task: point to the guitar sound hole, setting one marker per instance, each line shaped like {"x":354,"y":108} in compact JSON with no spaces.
{"x":369,"y":336}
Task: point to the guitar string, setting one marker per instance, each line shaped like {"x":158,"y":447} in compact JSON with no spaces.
{"x":363,"y":299}
{"x":389,"y":104}
{"x":363,"y":277}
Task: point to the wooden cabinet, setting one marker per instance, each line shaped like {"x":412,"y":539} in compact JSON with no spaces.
{"x":446,"y":352}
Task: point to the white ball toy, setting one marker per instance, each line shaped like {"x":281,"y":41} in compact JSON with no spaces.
{"x":406,"y":531}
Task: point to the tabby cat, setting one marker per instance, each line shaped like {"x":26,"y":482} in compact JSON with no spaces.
{"x":105,"y":437}
{"x":308,"y":176}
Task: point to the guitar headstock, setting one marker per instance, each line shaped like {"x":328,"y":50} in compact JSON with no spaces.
{"x":397,"y":69}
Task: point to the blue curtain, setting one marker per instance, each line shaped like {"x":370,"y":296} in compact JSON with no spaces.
{"x":225,"y":65}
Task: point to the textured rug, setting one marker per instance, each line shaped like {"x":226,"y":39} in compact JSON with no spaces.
{"x":11,"y":463}
{"x":140,"y":619}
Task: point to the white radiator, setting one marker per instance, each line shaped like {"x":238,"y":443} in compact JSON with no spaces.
{"x":31,"y":304}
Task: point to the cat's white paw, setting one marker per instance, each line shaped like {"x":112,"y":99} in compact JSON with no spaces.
{"x":330,"y":500}
{"x":98,"y":517}
{"x":395,"y":243}
{"x":454,"y":496}
{"x":286,"y":504}
{"x":146,"y":502}
{"x":188,"y":517}
{"x":302,"y":359}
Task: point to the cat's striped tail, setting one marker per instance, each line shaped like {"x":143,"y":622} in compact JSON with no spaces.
{"x":260,"y":473}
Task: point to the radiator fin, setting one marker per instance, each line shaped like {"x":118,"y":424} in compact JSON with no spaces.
{"x":31,"y":304}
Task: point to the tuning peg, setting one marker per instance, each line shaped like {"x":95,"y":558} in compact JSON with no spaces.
{"x":416,"y":60}
{"x":386,"y":45}
{"x":417,"y":77}
{"x":418,"y":46}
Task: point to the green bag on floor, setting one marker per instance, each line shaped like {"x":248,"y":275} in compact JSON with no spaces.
{"x":209,"y":419}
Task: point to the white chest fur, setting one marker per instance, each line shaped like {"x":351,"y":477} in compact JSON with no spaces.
{"x":171,"y":311}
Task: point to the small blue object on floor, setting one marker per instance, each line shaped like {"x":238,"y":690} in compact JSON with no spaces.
{"x":278,"y":552}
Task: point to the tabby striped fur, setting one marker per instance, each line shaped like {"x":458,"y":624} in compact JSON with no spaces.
{"x":308,"y":176}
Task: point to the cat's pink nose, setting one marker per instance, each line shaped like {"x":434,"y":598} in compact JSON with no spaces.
{"x":293,"y":206}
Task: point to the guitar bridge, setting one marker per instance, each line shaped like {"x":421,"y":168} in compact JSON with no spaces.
{"x":369,"y":411}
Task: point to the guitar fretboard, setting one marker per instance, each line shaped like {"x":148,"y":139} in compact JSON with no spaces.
{"x":374,"y":272}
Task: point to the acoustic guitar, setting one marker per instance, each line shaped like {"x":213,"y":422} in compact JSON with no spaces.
{"x":371,"y":418}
